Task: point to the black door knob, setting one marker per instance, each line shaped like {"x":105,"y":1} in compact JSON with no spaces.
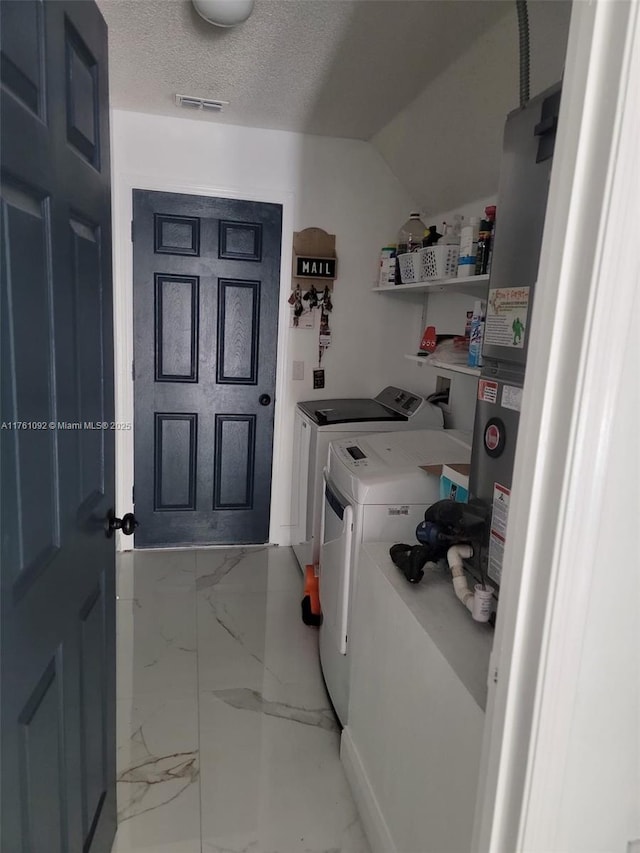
{"x":264,"y":399}
{"x":127,"y":524}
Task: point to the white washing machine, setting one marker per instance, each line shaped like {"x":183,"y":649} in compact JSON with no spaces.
{"x":374,"y":490}
{"x":317,"y":423}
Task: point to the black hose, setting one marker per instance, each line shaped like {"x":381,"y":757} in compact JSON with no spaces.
{"x":523,"y":35}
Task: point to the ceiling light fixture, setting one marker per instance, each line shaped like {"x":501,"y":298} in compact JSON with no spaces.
{"x":224,"y":13}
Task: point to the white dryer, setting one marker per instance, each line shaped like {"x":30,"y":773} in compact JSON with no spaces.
{"x":374,"y":490}
{"x":317,"y":423}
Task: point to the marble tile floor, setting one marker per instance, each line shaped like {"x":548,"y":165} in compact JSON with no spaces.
{"x":226,"y":738}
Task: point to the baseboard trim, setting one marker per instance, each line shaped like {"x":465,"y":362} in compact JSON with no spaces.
{"x":375,"y":826}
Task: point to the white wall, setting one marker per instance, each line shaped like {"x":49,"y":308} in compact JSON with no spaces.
{"x":446,"y":145}
{"x":342,"y":186}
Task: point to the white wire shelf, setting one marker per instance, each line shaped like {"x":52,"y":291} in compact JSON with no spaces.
{"x":472,"y":285}
{"x":430,"y":361}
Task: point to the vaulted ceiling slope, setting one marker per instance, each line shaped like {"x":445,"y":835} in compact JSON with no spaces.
{"x":445,"y":146}
{"x":332,"y":67}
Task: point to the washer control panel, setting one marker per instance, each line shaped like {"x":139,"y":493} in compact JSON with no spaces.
{"x":399,"y":400}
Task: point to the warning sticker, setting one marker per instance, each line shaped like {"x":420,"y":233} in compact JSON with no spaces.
{"x":512,"y":397}
{"x":487,"y":391}
{"x":499,"y":517}
{"x":506,"y":320}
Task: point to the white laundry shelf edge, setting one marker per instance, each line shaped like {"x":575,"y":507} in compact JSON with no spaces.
{"x":441,"y":365}
{"x":471,"y":285}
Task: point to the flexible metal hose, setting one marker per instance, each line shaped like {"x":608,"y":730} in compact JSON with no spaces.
{"x":523,"y":34}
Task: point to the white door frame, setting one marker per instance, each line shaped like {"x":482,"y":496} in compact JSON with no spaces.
{"x":123,"y":186}
{"x":580,"y":343}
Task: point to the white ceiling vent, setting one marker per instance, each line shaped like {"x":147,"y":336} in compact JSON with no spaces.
{"x":207,"y":104}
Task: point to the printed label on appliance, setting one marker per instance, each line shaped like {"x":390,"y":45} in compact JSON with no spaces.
{"x":512,"y":398}
{"x":499,"y":517}
{"x":487,"y":391}
{"x":506,"y":320}
{"x":398,"y":510}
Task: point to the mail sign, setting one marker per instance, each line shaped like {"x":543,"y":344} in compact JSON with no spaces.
{"x":315,"y":267}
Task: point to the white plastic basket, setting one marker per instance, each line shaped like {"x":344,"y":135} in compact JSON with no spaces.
{"x":410,"y":267}
{"x":432,"y":262}
{"x":439,"y":262}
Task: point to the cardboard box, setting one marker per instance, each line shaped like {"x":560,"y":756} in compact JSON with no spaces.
{"x":454,"y":482}
{"x":387,"y":271}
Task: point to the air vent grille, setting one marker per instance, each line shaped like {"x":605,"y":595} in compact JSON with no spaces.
{"x":192,"y":103}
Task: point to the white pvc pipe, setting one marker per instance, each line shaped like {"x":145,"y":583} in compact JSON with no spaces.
{"x":455,"y":555}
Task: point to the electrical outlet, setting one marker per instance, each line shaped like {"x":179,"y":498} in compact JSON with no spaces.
{"x":297,"y":370}
{"x":318,"y":378}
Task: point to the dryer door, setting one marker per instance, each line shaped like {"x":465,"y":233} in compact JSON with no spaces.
{"x":335,"y":564}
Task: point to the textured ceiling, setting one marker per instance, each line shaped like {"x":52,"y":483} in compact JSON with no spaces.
{"x":333,"y":67}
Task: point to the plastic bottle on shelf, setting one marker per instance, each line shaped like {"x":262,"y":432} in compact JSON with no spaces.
{"x":448,"y":236}
{"x":476,"y":338}
{"x":430,"y":236}
{"x":409,"y":238}
{"x":490,"y":214}
{"x":410,"y":235}
{"x":468,"y":248}
{"x":485,"y":240}
{"x":458,"y":225}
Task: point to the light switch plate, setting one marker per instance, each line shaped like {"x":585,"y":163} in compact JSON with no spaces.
{"x":297,"y":370}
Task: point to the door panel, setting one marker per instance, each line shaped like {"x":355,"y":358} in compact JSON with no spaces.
{"x":176,"y":312}
{"x":88,"y":309}
{"x":240,"y":241}
{"x":176,"y":235}
{"x":31,"y":453}
{"x":41,"y":770}
{"x":82,"y":97}
{"x":238,"y":332}
{"x":57,"y":596}
{"x":22,"y":66}
{"x":234,"y":457}
{"x":206,"y":284}
{"x":176,"y":443}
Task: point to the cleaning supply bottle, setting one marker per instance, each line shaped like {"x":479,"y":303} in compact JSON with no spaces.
{"x":468,"y":248}
{"x":483,"y":257}
{"x":490,"y":214}
{"x":477,"y":334}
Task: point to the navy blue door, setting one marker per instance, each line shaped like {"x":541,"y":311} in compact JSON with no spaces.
{"x":57,"y":609}
{"x":206,"y":285}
